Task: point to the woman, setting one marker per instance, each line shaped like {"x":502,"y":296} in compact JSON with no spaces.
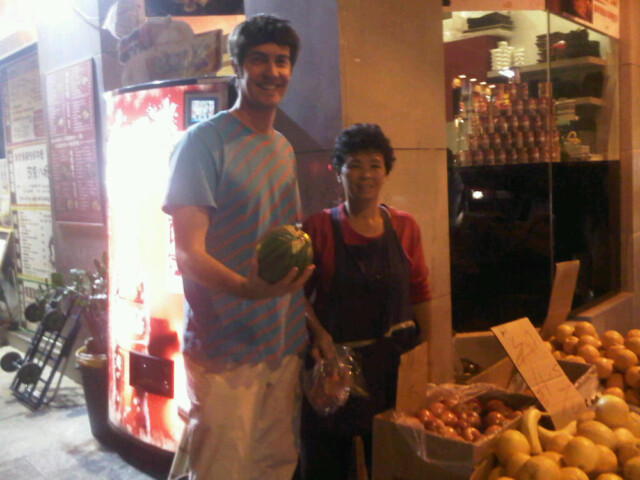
{"x":370,"y":282}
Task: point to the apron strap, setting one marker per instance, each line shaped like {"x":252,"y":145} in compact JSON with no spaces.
{"x":340,"y":254}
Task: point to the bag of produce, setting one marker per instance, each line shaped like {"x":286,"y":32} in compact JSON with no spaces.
{"x":329,"y":383}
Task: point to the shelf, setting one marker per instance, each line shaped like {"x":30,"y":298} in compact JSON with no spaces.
{"x":557,"y":65}
{"x":494,"y":31}
{"x":593,"y":158}
{"x":595,"y":101}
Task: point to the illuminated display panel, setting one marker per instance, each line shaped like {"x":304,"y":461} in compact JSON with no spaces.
{"x":145,"y":289}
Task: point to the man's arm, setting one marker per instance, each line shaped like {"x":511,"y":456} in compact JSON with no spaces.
{"x":190,"y":224}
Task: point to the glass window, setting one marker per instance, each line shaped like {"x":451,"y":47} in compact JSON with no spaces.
{"x":534,"y":169}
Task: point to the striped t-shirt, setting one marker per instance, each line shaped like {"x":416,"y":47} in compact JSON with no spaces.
{"x":247,"y":182}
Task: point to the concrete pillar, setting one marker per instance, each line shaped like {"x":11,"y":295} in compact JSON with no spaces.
{"x":629,"y":78}
{"x":392,"y":73}
{"x":382,"y":62}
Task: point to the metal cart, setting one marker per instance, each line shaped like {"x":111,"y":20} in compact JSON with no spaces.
{"x":47,"y":355}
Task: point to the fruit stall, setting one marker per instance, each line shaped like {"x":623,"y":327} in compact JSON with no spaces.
{"x":559,"y":402}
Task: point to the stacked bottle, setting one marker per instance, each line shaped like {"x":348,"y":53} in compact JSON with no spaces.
{"x":509,"y":126}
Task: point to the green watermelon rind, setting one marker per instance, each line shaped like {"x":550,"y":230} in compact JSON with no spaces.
{"x":281,"y":249}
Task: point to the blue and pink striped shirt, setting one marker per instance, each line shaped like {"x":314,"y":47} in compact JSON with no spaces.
{"x":247,"y":181}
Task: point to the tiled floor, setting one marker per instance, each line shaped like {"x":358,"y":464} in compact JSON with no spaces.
{"x":55,"y":441}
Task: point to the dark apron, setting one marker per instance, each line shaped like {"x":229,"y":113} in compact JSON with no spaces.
{"x":369,"y":293}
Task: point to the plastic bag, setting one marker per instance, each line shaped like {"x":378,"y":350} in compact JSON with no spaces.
{"x":329,"y":384}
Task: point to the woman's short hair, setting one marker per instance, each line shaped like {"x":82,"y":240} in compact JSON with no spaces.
{"x":361,"y":137}
{"x":261,"y":29}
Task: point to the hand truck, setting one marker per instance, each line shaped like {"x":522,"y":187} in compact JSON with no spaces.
{"x":47,"y":355}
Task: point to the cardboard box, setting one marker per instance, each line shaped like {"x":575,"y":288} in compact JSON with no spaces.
{"x":482,"y":348}
{"x":505,"y":375}
{"x":402,"y":452}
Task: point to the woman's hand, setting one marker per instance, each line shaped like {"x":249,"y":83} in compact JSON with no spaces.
{"x":322,"y":347}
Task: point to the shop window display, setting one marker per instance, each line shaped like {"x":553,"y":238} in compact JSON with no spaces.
{"x":533,"y":162}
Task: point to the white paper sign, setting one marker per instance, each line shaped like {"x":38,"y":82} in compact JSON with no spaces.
{"x":5,"y":194}
{"x":33,"y":231}
{"x":25,"y":102}
{"x":31,"y":174}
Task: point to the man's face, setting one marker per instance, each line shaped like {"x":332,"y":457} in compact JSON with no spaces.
{"x":264,"y":75}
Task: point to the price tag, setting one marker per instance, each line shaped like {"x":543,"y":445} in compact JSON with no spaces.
{"x":564,"y":285}
{"x":541,"y":371}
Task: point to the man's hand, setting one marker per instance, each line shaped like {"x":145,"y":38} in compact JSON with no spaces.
{"x":256,"y":288}
{"x":190,"y":225}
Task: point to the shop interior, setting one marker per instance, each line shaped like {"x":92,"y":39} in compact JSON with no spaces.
{"x":533,"y":162}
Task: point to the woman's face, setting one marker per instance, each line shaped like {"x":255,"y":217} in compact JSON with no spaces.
{"x":363,"y":175}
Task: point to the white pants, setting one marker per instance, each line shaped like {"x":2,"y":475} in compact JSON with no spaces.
{"x":244,"y":421}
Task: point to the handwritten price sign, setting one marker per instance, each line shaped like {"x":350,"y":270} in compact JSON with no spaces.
{"x":541,"y":371}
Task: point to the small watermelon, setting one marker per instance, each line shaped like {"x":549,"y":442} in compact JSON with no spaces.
{"x":280,"y":249}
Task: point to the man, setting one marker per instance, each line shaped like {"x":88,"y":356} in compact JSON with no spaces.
{"x":233,"y":178}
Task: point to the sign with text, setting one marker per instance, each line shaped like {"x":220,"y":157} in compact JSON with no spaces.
{"x":24,"y":178}
{"x":73,"y":151}
{"x":541,"y":371}
{"x":32,"y":227}
{"x":30,"y":171}
{"x":5,"y":194}
{"x":22,"y":109}
{"x":601,"y":15}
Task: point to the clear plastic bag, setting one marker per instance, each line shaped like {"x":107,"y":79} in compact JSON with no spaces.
{"x":329,"y":384}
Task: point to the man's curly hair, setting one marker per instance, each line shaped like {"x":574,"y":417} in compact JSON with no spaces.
{"x":261,"y":29}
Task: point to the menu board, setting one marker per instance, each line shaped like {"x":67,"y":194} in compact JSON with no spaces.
{"x":73,"y":151}
{"x":22,"y":112}
{"x":24,"y":176}
{"x":32,"y":226}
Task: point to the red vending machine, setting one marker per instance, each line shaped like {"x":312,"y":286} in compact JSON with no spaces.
{"x":146,"y":376}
